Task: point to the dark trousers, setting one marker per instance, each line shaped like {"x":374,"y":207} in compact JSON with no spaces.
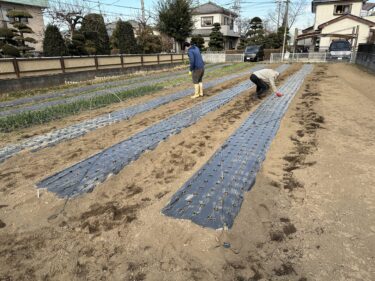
{"x":261,"y":85}
{"x":197,"y":75}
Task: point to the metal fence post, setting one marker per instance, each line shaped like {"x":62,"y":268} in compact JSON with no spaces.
{"x":158,"y":59}
{"x":16,"y":68}
{"x":122,"y":60}
{"x":171,"y":58}
{"x":142,"y":62}
{"x":62,"y":63}
{"x":96,"y":62}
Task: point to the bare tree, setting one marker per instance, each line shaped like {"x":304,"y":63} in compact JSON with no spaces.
{"x":245,"y":26}
{"x":67,"y":14}
{"x":296,"y":9}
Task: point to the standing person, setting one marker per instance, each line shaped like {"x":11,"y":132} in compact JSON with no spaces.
{"x":262,"y":78}
{"x":196,"y":68}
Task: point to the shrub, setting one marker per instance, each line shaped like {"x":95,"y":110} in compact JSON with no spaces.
{"x":9,"y":50}
{"x":53,"y":43}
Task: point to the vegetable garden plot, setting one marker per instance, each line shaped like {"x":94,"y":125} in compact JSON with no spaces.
{"x":213,"y":196}
{"x":85,"y":175}
{"x":116,"y":87}
{"x":80,"y":129}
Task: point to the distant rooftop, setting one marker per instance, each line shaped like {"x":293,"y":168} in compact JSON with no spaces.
{"x":368,"y":6}
{"x":212,"y":8}
{"x":36,"y":3}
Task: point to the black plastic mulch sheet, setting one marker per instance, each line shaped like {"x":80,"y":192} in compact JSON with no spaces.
{"x":213,"y":196}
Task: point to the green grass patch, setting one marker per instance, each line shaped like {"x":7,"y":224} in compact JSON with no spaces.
{"x":123,"y":77}
{"x":30,"y":118}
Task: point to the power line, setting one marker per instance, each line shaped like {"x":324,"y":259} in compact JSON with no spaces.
{"x":103,"y":12}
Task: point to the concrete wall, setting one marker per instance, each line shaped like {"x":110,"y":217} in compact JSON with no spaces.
{"x":36,"y":23}
{"x":11,"y":85}
{"x":324,"y":12}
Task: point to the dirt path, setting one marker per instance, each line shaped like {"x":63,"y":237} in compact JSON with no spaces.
{"x":309,"y":216}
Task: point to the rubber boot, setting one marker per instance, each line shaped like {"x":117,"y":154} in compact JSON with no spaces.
{"x":196,"y":91}
{"x":201,"y":89}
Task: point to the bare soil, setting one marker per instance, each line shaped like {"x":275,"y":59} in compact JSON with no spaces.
{"x":310,"y":215}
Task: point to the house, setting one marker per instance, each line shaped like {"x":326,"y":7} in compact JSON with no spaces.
{"x":36,"y":23}
{"x":204,"y":17}
{"x":335,"y":19}
{"x":111,"y":27}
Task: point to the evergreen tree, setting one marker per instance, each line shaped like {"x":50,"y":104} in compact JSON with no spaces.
{"x":148,"y":42}
{"x":20,"y":29}
{"x":216,"y":42}
{"x":53,"y":43}
{"x":275,"y":40}
{"x":123,"y":38}
{"x":76,"y":47}
{"x":256,"y":32}
{"x":243,"y":43}
{"x":175,"y":19}
{"x":95,"y":33}
{"x":198,"y":40}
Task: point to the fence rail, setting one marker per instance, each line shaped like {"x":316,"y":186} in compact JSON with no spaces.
{"x":220,"y":57}
{"x":317,"y":57}
{"x":298,"y":57}
{"x":26,"y":67}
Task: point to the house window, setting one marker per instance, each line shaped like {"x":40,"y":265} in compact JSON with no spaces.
{"x":342,"y":9}
{"x":207,"y":21}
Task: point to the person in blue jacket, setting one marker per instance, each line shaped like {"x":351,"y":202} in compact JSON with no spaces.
{"x":196,"y":68}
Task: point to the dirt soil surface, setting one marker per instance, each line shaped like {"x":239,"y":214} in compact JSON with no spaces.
{"x":310,"y":215}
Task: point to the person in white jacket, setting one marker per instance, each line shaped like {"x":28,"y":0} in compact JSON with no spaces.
{"x":261,"y":78}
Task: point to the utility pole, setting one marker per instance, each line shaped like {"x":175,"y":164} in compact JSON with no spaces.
{"x":278,"y":13}
{"x":237,"y":9}
{"x":143,"y":11}
{"x":285,"y":27}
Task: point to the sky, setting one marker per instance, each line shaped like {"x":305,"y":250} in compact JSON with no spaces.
{"x":128,"y":9}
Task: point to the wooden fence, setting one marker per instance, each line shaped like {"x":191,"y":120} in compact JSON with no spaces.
{"x":26,"y":67}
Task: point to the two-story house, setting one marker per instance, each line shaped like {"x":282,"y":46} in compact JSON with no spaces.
{"x":36,"y":23}
{"x":204,"y":17}
{"x":339,"y":19}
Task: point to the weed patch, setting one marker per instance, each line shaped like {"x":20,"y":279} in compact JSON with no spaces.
{"x":28,"y":119}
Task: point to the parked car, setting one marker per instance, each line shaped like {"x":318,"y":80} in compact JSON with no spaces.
{"x":254,"y":53}
{"x":340,"y":50}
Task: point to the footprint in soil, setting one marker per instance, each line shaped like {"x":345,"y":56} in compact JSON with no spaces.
{"x":107,"y":216}
{"x":2,"y":224}
{"x":285,"y":269}
{"x":161,"y":194}
{"x":264,"y":214}
{"x":289,"y":229}
{"x":132,"y":190}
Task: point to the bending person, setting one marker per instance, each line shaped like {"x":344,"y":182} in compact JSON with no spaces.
{"x":261,"y":78}
{"x":196,"y":69}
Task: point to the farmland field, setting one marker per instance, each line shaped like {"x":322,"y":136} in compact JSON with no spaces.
{"x":309,"y":215}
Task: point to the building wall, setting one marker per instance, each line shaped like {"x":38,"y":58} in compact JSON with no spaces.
{"x":370,"y":18}
{"x":36,"y":23}
{"x":220,"y":18}
{"x":364,"y":31}
{"x":324,"y":12}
